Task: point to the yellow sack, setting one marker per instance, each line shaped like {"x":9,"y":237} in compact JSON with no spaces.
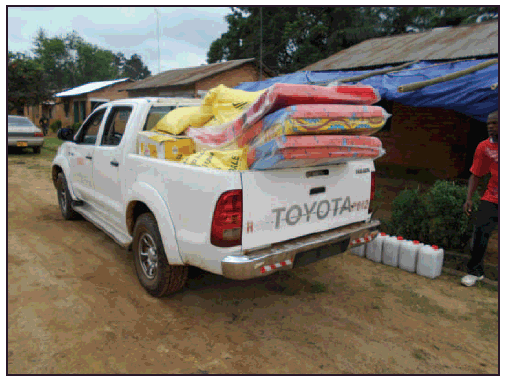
{"x":224,"y":104}
{"x":222,"y":160}
{"x":175,"y":122}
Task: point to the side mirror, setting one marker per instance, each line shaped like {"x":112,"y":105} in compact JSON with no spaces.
{"x":66,"y":134}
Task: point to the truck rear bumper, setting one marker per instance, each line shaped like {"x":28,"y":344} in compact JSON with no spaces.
{"x":298,"y":252}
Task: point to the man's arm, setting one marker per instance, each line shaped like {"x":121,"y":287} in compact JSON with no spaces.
{"x":471,"y":188}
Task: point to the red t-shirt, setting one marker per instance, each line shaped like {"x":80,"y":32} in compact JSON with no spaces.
{"x":486,"y":160}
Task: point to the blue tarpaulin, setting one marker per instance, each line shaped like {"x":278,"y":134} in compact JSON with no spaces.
{"x":471,"y":95}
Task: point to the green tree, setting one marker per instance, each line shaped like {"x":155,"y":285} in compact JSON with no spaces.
{"x":294,"y":37}
{"x":135,"y":69}
{"x":26,"y":82}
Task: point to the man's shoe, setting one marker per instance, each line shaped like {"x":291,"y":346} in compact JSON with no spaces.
{"x":470,"y":280}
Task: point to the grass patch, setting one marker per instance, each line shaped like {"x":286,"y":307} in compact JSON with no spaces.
{"x":421,"y":304}
{"x":419,"y":354}
{"x":289,"y":284}
{"x":318,"y":288}
{"x":378,"y":283}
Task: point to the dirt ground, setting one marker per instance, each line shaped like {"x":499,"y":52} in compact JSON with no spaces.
{"x":75,"y":306}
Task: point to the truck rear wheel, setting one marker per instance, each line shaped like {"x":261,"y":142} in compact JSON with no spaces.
{"x":155,"y":274}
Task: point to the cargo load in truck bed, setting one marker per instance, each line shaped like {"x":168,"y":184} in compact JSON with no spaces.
{"x":277,"y":97}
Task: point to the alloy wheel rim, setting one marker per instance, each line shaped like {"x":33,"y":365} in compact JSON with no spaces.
{"x":63,"y":200}
{"x":148,"y":256}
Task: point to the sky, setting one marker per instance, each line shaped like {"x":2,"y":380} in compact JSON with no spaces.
{"x":185,"y":32}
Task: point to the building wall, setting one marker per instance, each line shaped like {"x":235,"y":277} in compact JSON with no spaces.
{"x":426,"y":138}
{"x":246,"y":73}
{"x":105,"y":94}
{"x":186,"y":91}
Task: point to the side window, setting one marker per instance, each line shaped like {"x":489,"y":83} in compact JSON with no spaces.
{"x":156,"y":114}
{"x":115,"y":126}
{"x":90,"y":129}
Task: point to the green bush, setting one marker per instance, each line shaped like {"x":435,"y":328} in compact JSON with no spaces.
{"x":435,"y":217}
{"x":75,"y":126}
{"x":56,"y":125}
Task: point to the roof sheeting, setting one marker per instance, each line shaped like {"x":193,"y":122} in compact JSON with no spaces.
{"x":88,"y":87}
{"x":449,"y":43}
{"x":185,"y":76}
{"x":472,"y":95}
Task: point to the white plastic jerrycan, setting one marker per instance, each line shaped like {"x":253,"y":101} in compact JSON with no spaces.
{"x":359,"y":250}
{"x":408,"y":255}
{"x":374,"y":248}
{"x":430,"y":261}
{"x":391,"y":248}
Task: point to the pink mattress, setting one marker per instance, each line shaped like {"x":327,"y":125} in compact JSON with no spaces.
{"x":277,"y":97}
{"x":312,"y":150}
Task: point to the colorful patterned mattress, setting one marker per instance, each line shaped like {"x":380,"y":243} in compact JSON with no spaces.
{"x":315,"y":119}
{"x":277,"y":97}
{"x":312,"y":150}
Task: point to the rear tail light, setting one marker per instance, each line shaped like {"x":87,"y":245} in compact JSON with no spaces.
{"x":227,"y":220}
{"x":39,"y":134}
{"x":372,"y":189}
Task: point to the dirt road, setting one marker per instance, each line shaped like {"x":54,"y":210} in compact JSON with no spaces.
{"x":74,"y":306}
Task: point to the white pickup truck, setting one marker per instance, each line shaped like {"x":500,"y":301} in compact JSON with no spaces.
{"x":239,"y":224}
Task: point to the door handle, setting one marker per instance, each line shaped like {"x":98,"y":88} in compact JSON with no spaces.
{"x":114,"y":163}
{"x":88,"y":157}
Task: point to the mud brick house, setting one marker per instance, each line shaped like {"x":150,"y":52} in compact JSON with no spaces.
{"x":74,"y":105}
{"x":194,"y":81}
{"x":440,"y":139}
{"x":436,"y":127}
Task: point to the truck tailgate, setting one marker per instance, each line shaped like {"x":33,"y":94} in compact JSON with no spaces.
{"x":284,"y":204}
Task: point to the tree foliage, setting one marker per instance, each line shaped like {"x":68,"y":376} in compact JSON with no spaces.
{"x":26,"y":82}
{"x":63,"y":62}
{"x":294,"y":37}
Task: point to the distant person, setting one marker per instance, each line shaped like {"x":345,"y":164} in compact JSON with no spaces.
{"x":44,"y":123}
{"x":486,"y":160}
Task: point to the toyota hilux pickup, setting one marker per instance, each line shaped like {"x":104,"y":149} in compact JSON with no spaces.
{"x":239,"y":224}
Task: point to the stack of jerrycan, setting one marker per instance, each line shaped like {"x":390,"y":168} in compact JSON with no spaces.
{"x":411,"y":256}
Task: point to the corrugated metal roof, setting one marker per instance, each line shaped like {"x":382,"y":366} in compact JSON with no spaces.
{"x":184,"y":76}
{"x":89,"y":87}
{"x":449,"y":43}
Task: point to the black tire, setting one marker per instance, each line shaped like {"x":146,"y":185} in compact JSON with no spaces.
{"x":37,"y":150}
{"x":64,"y":198}
{"x":155,"y":274}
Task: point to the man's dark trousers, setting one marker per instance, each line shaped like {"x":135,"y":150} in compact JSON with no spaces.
{"x":487,"y":218}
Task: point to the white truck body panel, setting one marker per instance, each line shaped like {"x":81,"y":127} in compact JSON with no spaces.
{"x":285,"y":204}
{"x":278,"y":205}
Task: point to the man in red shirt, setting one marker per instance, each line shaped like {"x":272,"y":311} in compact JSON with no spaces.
{"x":486,"y":160}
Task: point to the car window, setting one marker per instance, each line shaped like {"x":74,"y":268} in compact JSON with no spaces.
{"x":89,"y":130}
{"x":115,"y":126}
{"x":156,"y":114}
{"x":19,"y":121}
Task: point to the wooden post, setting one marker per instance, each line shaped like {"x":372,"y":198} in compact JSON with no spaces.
{"x":418,"y":85}
{"x":373,"y":73}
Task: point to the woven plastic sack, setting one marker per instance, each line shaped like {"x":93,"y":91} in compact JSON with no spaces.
{"x":177,"y":121}
{"x":224,"y":104}
{"x":235,"y":160}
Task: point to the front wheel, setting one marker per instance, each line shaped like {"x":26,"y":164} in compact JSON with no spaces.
{"x":64,"y":198}
{"x":155,"y":274}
